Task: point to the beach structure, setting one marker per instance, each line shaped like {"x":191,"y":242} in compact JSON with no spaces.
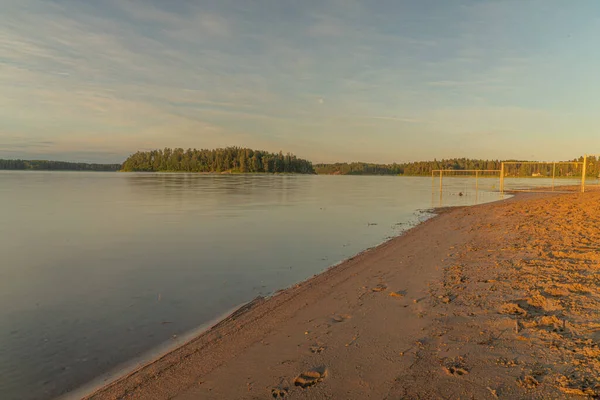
{"x":518,"y":176}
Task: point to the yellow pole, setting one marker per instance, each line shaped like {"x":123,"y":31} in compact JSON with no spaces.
{"x":476,"y":187}
{"x":553,"y":174}
{"x":432,"y":188}
{"x":583,"y":174}
{"x":441,"y":172}
{"x":502,"y":178}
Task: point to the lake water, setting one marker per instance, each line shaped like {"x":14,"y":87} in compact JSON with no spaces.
{"x":97,"y":269}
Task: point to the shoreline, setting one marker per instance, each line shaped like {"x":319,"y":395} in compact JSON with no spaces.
{"x":126,"y":369}
{"x":153,"y":355}
{"x":431,"y":302}
{"x":96,"y":387}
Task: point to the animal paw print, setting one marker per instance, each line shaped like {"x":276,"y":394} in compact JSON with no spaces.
{"x":317,"y":349}
{"x":279,"y":392}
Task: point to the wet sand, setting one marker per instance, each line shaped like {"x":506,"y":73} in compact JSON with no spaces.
{"x":499,"y":300}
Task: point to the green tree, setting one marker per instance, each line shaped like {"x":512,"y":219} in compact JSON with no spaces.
{"x":217,"y":160}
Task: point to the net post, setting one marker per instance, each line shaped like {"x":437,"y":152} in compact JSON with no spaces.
{"x":432,"y":187}
{"x":583,"y":174}
{"x":502,"y":177}
{"x":553,"y":174}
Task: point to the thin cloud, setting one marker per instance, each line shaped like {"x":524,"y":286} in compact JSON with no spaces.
{"x":138,"y":74}
{"x":398,"y":119}
{"x":457,"y":83}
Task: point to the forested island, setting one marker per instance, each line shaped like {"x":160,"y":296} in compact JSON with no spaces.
{"x":230,"y":159}
{"x":45,"y":165}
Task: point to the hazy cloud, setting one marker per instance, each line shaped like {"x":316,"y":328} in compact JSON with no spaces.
{"x":394,"y":80}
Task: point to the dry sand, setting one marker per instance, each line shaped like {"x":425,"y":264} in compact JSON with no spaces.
{"x":494,"y":301}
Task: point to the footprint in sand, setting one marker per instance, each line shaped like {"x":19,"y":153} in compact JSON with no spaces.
{"x":456,"y":367}
{"x":380,"y":287}
{"x":317,"y":349}
{"x":279,"y":392}
{"x":457,"y":371}
{"x":311,"y":377}
{"x":512,"y":309}
{"x":340,"y":318}
{"x":528,"y":382}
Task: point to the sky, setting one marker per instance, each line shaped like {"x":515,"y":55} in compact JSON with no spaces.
{"x":329,"y":80}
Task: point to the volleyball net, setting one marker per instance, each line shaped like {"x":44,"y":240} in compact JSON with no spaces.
{"x":523,"y":176}
{"x":529,"y":176}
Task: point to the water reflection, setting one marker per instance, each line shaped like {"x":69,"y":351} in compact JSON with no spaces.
{"x":464,"y":191}
{"x":98,"y":268}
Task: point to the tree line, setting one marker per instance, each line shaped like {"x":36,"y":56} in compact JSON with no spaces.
{"x":45,"y":165}
{"x":243,"y":160}
{"x":229,"y":159}
{"x":413,"y":168}
{"x":424,"y":168}
{"x":558,"y":170}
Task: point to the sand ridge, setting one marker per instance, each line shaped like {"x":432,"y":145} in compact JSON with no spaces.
{"x":499,"y":300}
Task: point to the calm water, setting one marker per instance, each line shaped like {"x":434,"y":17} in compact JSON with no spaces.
{"x":97,"y":269}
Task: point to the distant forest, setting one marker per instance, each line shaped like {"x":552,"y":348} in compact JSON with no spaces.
{"x":230,"y":159}
{"x":413,"y":168}
{"x":243,"y":160}
{"x":424,"y":168}
{"x":43,"y":165}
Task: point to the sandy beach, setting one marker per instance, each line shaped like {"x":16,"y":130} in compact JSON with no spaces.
{"x":499,"y":300}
